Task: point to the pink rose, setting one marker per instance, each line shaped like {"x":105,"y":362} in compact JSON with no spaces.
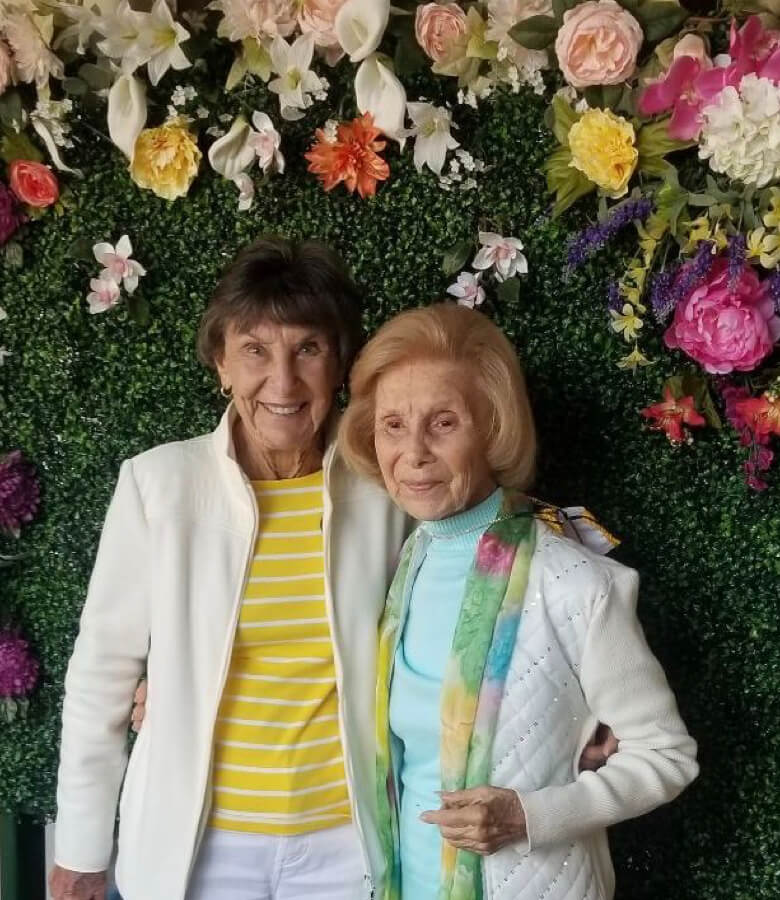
{"x":725,"y":328}
{"x":598,"y":44}
{"x":692,"y":45}
{"x":33,"y":183}
{"x":7,"y":67}
{"x":439,"y":28}
{"x":317,"y":17}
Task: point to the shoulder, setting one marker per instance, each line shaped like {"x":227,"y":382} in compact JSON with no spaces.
{"x":165,"y":459}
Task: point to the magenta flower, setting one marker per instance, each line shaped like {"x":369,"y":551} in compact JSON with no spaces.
{"x":494,"y":557}
{"x":726,"y":322}
{"x":11,"y":216}
{"x":19,"y":492}
{"x":18,"y":666}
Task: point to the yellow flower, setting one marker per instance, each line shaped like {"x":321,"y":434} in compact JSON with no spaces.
{"x":698,"y":231}
{"x":764,"y":247}
{"x":626,"y":322}
{"x":772,"y":216}
{"x":165,"y":160}
{"x":602,"y":148}
{"x":633,"y":360}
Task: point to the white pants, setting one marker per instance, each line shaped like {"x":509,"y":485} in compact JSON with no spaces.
{"x":326,"y":864}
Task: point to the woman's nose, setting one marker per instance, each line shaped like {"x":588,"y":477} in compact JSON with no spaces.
{"x":417,"y":449}
{"x":283,"y":378}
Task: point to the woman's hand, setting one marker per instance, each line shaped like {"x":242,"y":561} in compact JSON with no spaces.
{"x":139,"y":706}
{"x":482,"y":819}
{"x":67,"y":885}
{"x":601,"y":746}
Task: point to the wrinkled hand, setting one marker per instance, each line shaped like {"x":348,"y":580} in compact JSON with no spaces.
{"x":139,"y":706}
{"x":602,"y":745}
{"x":482,"y":819}
{"x":67,"y":885}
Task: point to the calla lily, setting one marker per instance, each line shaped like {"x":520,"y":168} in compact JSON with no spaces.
{"x":233,"y":154}
{"x":43,"y":130}
{"x":379,"y":92}
{"x":126,"y":112}
{"x":360,"y":25}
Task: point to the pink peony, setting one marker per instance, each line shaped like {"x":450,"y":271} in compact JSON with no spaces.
{"x":7,"y":67}
{"x":440,"y":29}
{"x":10,"y":215}
{"x":317,"y":17}
{"x":598,"y":44}
{"x":726,"y":328}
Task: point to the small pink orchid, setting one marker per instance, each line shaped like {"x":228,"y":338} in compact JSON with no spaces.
{"x":468,"y":290}
{"x":118,"y":266}
{"x":265,"y":140}
{"x":754,"y":49}
{"x":104,"y":294}
{"x":501,"y":253}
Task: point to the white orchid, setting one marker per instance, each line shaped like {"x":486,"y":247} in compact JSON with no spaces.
{"x":246,"y":191}
{"x":162,"y":37}
{"x":117,"y":265}
{"x":468,"y":290}
{"x":360,"y":25}
{"x":126,"y":112}
{"x":265,"y":140}
{"x":296,"y":82}
{"x":104,"y":294}
{"x":379,"y":92}
{"x":431,"y":131}
{"x":502,"y":254}
{"x":233,"y":154}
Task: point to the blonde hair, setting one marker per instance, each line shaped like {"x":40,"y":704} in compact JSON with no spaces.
{"x":457,"y":334}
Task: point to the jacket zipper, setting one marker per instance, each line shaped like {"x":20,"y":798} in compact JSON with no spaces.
{"x":223,"y":678}
{"x":326,"y":536}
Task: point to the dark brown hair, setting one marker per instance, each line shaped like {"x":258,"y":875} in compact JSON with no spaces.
{"x":289,"y":283}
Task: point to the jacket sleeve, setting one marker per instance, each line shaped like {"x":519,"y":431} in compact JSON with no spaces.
{"x":625,"y":687}
{"x":108,"y":658}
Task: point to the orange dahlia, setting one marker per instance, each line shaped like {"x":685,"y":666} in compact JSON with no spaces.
{"x":352,"y":158}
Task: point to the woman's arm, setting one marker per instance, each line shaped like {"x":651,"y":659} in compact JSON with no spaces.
{"x":625,"y":688}
{"x":108,"y":658}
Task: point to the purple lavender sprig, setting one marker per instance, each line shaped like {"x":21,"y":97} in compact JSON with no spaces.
{"x":735,"y":254}
{"x":670,"y":287}
{"x":594,"y":237}
{"x":661,"y":299}
{"x":773,"y":286}
{"x":614,"y":298}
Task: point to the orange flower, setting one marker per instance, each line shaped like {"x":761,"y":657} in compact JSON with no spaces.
{"x":351,"y":158}
{"x":670,"y":416}
{"x":761,"y":414}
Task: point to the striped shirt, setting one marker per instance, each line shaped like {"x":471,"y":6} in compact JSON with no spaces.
{"x":278,"y":763}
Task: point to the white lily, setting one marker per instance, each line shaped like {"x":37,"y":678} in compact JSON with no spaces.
{"x":360,"y":25}
{"x":117,"y":265}
{"x":84,"y":22}
{"x":104,"y":294}
{"x":431,"y":131}
{"x":379,"y":92}
{"x":162,"y":37}
{"x":296,"y":82}
{"x":126,"y":112}
{"x":122,"y":31}
{"x":501,"y":253}
{"x":232,"y":154}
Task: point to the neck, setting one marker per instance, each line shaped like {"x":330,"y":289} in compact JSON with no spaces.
{"x":261,"y":464}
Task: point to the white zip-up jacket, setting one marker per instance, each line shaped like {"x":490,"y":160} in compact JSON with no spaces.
{"x":164,"y":596}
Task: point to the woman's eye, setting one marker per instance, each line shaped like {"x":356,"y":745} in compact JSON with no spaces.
{"x":444,"y":424}
{"x":310,"y":349}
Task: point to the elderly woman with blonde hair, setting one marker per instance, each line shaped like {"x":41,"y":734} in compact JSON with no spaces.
{"x":503,"y":643}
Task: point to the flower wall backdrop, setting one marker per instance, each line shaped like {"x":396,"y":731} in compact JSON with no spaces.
{"x":570,"y":168}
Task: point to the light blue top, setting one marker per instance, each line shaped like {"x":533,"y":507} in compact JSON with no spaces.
{"x":415,"y":692}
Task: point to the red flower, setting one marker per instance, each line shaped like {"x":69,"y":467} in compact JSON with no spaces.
{"x":670,"y":416}
{"x":351,"y":158}
{"x":761,"y":414}
{"x":33,"y":183}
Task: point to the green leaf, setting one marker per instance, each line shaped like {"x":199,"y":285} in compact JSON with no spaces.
{"x":655,"y":166}
{"x":564,"y":116}
{"x":76,"y":87}
{"x":569,"y":191}
{"x":138,"y":309}
{"x":11,"y":109}
{"x":18,"y":146}
{"x":455,"y":258}
{"x":535,"y":33}
{"x":81,"y":249}
{"x":702,"y":200}
{"x":660,"y":18}
{"x":509,"y":291}
{"x":562,"y":6}
{"x":14,"y":255}
{"x":96,"y":77}
{"x":654,"y":140}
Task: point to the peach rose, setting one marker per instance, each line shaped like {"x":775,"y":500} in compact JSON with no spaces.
{"x":598,"y":44}
{"x":318,"y":17}
{"x":33,"y":183}
{"x":440,"y":28}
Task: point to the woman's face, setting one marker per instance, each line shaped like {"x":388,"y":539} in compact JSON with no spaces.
{"x":430,"y":440}
{"x":283,"y":379}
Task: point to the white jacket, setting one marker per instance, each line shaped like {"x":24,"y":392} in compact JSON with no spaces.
{"x":165,"y":595}
{"x":580,"y":658}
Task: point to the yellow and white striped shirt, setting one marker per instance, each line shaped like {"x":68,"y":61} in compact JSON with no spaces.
{"x":278,"y":763}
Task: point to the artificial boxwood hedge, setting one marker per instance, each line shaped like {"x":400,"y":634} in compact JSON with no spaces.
{"x":81,"y":392}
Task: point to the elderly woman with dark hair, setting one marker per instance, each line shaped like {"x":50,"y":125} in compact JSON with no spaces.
{"x":245,"y":572}
{"x":503,"y":643}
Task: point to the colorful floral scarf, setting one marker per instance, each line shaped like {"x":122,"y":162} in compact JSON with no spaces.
{"x":472,"y":687}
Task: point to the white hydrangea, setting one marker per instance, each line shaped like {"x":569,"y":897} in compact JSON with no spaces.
{"x":741,"y":132}
{"x":516,"y":65}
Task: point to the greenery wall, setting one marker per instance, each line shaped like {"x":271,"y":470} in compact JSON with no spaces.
{"x":82,"y":392}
